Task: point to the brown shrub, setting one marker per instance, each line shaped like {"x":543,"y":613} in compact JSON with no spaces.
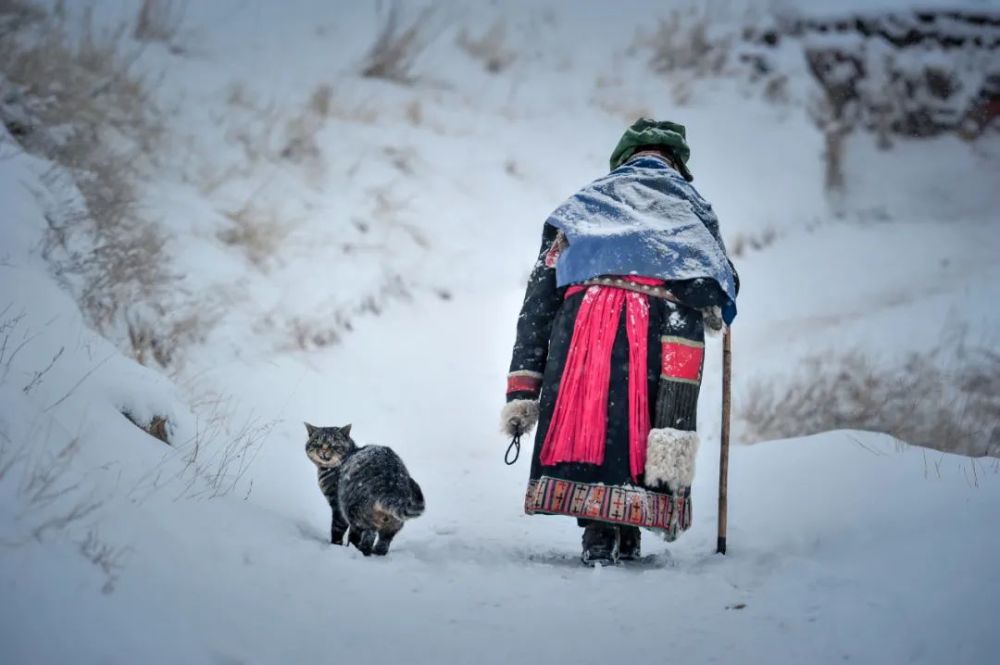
{"x":953,"y":409}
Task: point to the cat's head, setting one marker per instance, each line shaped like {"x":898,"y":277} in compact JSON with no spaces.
{"x":328,"y":446}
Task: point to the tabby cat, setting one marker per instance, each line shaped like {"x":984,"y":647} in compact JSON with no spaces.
{"x":368,"y":488}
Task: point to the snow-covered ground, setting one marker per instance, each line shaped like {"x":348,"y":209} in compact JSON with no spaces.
{"x":845,"y":546}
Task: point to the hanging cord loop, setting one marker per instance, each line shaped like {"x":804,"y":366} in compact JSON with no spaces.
{"x":515,"y":445}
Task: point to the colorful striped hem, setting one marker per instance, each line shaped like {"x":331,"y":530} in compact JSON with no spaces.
{"x":635,"y":506}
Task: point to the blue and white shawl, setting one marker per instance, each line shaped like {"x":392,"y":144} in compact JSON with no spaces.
{"x":642,"y":219}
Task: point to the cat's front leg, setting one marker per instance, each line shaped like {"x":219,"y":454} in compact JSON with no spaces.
{"x":366,"y":542}
{"x":385,"y":537}
{"x":338,"y":527}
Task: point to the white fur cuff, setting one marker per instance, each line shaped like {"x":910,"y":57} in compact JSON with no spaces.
{"x":670,"y":455}
{"x":712,"y":317}
{"x":518,"y":416}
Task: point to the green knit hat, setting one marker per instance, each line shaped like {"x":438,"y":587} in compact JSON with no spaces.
{"x":646,"y":132}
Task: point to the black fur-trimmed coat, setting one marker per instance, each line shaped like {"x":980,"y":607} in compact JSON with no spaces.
{"x":545,"y":326}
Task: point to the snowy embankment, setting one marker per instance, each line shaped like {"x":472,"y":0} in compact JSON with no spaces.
{"x":843,"y":546}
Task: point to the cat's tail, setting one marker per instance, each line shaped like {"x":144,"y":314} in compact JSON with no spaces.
{"x":415,"y":506}
{"x":404,"y":507}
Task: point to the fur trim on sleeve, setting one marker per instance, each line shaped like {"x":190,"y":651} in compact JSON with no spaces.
{"x":670,"y":456}
{"x":518,"y":416}
{"x":712,"y":317}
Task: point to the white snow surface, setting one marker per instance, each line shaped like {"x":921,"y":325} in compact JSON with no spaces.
{"x":843,"y":547}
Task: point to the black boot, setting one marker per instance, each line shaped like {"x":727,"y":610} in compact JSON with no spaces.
{"x":600,"y":544}
{"x":630,"y":541}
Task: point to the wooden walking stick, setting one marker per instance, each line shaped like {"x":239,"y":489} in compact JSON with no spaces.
{"x":727,"y":370}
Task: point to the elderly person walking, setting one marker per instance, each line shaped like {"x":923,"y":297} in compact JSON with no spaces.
{"x":610,"y":346}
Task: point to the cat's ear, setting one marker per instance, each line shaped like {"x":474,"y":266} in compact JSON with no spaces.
{"x":346,"y":430}
{"x":310,"y":429}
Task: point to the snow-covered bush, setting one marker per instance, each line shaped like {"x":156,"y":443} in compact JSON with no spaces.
{"x":952,"y":408}
{"x":71,"y":95}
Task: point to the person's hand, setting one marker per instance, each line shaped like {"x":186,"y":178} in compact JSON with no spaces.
{"x":518,"y":417}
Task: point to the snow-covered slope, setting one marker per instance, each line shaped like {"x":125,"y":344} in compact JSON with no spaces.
{"x":361,"y":259}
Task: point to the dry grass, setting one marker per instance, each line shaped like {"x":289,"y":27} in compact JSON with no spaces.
{"x":742,"y":243}
{"x":218,"y":470}
{"x":119,"y":258}
{"x":683,"y":48}
{"x":300,"y":144}
{"x":403,"y":159}
{"x":159,"y":21}
{"x":415,"y":113}
{"x":214,"y":460}
{"x":161,"y":338}
{"x":51,"y":502}
{"x":321,"y":100}
{"x":328,"y":325}
{"x":258,"y":234}
{"x":953,"y":409}
{"x":398,"y":43}
{"x":73,"y":97}
{"x":328,"y":328}
{"x":268,"y":134}
{"x":682,"y":42}
{"x":611,"y":97}
{"x":50,"y":499}
{"x":108,"y":558}
{"x":490,"y":49}
{"x":77,"y":77}
{"x":388,"y":213}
